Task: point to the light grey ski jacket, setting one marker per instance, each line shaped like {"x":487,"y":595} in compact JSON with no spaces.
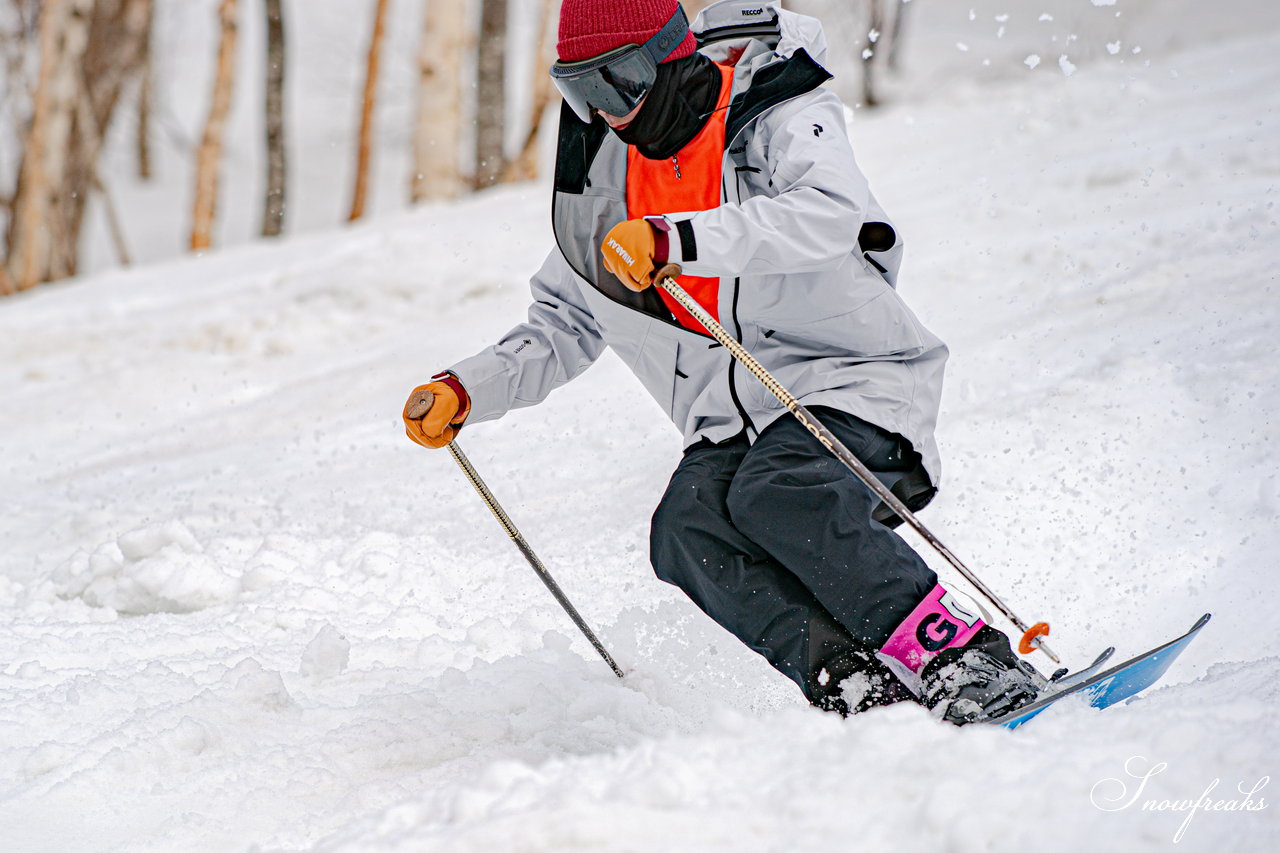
{"x":806,"y":258}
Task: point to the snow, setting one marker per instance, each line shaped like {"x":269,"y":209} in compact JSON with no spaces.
{"x":240,"y":611}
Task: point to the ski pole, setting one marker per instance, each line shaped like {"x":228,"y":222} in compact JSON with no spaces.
{"x":418,"y":410}
{"x":666,"y":279}
{"x":465,"y":464}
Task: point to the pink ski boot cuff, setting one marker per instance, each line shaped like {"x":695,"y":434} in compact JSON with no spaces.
{"x":939,"y":622}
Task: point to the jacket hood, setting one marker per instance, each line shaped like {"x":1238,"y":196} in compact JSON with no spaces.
{"x":736,"y":32}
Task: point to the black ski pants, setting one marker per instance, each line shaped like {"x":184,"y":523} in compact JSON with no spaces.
{"x":775,"y":542}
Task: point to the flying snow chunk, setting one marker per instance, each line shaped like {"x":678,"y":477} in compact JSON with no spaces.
{"x":326,"y":655}
{"x":1032,"y":61}
{"x":251,"y":684}
{"x":962,"y":47}
{"x":1065,"y":64}
{"x":1104,"y":2}
{"x":1113,"y":47}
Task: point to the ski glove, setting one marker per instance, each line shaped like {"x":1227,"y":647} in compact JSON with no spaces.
{"x":629,"y":250}
{"x":434,"y":412}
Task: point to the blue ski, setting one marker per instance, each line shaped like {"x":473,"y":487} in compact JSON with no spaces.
{"x":1062,"y":679}
{"x":1114,"y":685}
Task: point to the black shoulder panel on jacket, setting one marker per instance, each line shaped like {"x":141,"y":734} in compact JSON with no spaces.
{"x":577,"y":146}
{"x":772,"y":85}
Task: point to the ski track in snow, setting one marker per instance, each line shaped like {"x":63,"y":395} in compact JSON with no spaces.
{"x":242,"y":612}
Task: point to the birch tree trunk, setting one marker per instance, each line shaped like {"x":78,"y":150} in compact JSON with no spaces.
{"x":274,"y":203}
{"x":491,"y":62}
{"x":437,"y":128}
{"x":88,"y":51}
{"x":361,"y":192}
{"x":525,"y":165}
{"x":210,"y":152}
{"x":39,"y":248}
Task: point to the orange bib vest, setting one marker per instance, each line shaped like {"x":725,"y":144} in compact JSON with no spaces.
{"x":687,"y":182}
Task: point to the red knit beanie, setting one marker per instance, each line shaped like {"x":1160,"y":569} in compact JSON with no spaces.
{"x":591,"y":27}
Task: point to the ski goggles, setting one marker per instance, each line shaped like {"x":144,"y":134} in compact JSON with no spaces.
{"x":615,"y":82}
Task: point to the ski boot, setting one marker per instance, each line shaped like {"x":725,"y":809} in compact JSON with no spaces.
{"x":979,"y":680}
{"x":854,"y":681}
{"x":959,"y":666}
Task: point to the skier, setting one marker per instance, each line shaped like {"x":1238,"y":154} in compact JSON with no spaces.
{"x":718,"y":149}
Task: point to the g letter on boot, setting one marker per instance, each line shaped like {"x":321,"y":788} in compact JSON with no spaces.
{"x":939,"y":622}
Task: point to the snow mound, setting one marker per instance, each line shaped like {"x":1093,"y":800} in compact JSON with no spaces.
{"x":159,"y":568}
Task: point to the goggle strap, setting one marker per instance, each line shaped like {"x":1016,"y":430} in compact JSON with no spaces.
{"x":668,"y":38}
{"x":659,"y":47}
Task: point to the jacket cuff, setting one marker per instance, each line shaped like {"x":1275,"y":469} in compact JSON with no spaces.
{"x":681,"y":245}
{"x":464,"y":399}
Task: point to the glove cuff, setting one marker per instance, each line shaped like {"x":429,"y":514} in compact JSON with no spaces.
{"x":464,"y":399}
{"x":661,"y":240}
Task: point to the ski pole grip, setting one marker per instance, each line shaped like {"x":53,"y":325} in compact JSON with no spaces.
{"x":665,"y":271}
{"x":417,"y":409}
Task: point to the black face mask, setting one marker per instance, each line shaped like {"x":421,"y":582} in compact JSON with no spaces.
{"x":682,"y":99}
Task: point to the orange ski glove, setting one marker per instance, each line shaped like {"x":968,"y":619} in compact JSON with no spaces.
{"x":628,"y":251}
{"x":434,"y":412}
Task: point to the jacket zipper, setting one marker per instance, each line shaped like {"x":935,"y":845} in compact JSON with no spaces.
{"x":747,"y":425}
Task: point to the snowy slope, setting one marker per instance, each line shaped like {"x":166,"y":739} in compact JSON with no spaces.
{"x":239,"y":611}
